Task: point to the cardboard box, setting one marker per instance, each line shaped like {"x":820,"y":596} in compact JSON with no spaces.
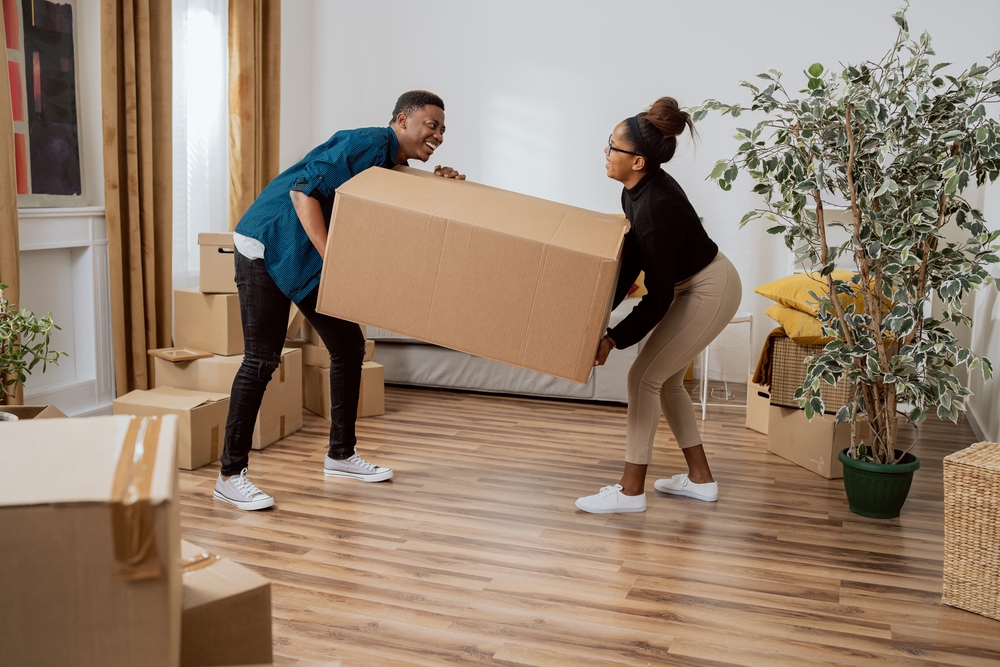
{"x":310,"y":335}
{"x":316,"y":390}
{"x":318,"y":355}
{"x":811,"y":444}
{"x":90,"y":542}
{"x":209,"y":322}
{"x":493,"y":273}
{"x":33,"y":411}
{"x":218,"y":268}
{"x":226,"y":611}
{"x":202,"y":420}
{"x":281,"y":409}
{"x":758,"y":406}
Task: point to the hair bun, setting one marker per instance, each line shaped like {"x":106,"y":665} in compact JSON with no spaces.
{"x":668,"y":118}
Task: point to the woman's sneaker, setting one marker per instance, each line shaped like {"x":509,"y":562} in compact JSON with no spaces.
{"x":241,"y":493}
{"x":680,"y":485}
{"x":356,"y":468}
{"x":611,"y":500}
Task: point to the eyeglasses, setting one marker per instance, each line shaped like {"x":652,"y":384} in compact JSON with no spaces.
{"x":620,"y":150}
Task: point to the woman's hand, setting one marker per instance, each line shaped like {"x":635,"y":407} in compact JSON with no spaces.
{"x":448,"y":172}
{"x":603,"y":350}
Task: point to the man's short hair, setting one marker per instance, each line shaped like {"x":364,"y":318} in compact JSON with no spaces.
{"x":412,"y":100}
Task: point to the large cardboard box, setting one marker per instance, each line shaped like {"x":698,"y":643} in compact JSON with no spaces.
{"x":316,"y":390}
{"x":226,"y":611}
{"x":33,"y":411}
{"x":758,"y":406}
{"x":497,"y":274}
{"x":202,"y":418}
{"x":209,"y":322}
{"x":281,"y":409}
{"x":89,"y":542}
{"x":217,"y":266}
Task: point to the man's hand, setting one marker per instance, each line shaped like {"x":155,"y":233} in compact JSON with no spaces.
{"x":448,"y":172}
{"x":603,"y":350}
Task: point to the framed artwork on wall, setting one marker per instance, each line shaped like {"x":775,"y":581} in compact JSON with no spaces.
{"x":40,"y":39}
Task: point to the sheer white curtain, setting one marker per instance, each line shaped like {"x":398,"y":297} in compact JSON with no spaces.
{"x":201,"y":129}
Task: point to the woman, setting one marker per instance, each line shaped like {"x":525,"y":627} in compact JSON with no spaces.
{"x":693,"y":293}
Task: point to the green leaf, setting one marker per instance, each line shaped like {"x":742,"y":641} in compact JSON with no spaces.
{"x":719,"y":169}
{"x":815,"y":70}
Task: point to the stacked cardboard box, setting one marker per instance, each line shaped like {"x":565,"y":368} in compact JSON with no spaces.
{"x":208,"y":333}
{"x":316,"y":372}
{"x":123,"y":592}
{"x":280,"y":412}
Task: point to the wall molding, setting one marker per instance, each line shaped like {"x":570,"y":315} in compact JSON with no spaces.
{"x":64,"y":269}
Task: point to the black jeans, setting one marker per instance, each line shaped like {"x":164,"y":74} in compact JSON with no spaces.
{"x":264,"y":311}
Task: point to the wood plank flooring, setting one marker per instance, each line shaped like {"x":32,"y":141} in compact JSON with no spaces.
{"x":474,"y":554}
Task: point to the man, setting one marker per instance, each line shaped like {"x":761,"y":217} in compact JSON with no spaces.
{"x":280,"y":242}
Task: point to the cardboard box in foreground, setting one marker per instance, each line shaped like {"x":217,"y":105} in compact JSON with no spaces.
{"x":281,"y":409}
{"x":226,"y":611}
{"x":202,"y":420}
{"x":497,"y":274}
{"x":89,"y":542}
{"x":758,"y":406}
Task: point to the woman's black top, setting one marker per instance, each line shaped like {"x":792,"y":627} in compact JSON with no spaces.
{"x":667,"y":241}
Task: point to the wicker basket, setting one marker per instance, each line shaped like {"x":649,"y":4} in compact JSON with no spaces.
{"x":788,"y":372}
{"x":972,"y":529}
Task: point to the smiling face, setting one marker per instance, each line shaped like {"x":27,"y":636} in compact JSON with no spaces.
{"x":420,"y":133}
{"x":621,"y":161}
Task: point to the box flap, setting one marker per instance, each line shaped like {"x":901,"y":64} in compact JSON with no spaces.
{"x":179,"y":354}
{"x":50,"y":461}
{"x":219,"y":239}
{"x":33,"y":411}
{"x":209,"y":577}
{"x":497,"y":210}
{"x":169,"y":397}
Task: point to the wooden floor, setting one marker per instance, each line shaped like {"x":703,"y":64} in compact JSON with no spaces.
{"x":475,"y":554}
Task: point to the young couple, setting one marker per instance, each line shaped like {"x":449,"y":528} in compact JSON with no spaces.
{"x":693,"y":292}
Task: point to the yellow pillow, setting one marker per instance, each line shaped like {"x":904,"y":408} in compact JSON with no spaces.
{"x":793,"y":291}
{"x":801,"y":327}
{"x":639,"y":287}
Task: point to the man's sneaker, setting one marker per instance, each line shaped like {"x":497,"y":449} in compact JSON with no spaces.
{"x":356,"y":468}
{"x":240,"y":492}
{"x":611,"y":500}
{"x":680,"y":485}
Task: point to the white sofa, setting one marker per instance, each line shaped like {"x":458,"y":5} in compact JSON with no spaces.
{"x":411,"y":362}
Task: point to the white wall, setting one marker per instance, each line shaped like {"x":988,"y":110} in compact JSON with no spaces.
{"x":88,"y":53}
{"x":533,"y":89}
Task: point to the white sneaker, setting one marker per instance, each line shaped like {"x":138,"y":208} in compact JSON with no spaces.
{"x":611,"y":500}
{"x":241,"y":493}
{"x":356,"y":468}
{"x":680,"y":485}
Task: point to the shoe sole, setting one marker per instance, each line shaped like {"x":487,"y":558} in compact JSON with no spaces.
{"x":379,"y":477}
{"x":242,"y":505}
{"x":610,"y":511}
{"x":686,"y":494}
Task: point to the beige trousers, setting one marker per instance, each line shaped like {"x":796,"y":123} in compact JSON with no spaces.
{"x":702,"y":307}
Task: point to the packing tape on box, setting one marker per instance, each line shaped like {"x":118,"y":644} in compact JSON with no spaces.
{"x":198,"y":562}
{"x":133,"y":521}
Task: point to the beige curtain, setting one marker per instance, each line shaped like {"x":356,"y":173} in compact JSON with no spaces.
{"x":254,"y":100}
{"x":10,"y":263}
{"x":136,"y":119}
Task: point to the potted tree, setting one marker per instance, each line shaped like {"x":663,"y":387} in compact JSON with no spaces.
{"x":24,"y":343}
{"x":895,"y":144}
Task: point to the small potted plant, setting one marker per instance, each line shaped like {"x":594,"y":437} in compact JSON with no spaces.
{"x":24,"y":343}
{"x":893,"y":143}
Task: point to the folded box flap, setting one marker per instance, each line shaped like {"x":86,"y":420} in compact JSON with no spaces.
{"x":172,"y":398}
{"x":208,"y":578}
{"x":54,"y":461}
{"x":178,"y":354}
